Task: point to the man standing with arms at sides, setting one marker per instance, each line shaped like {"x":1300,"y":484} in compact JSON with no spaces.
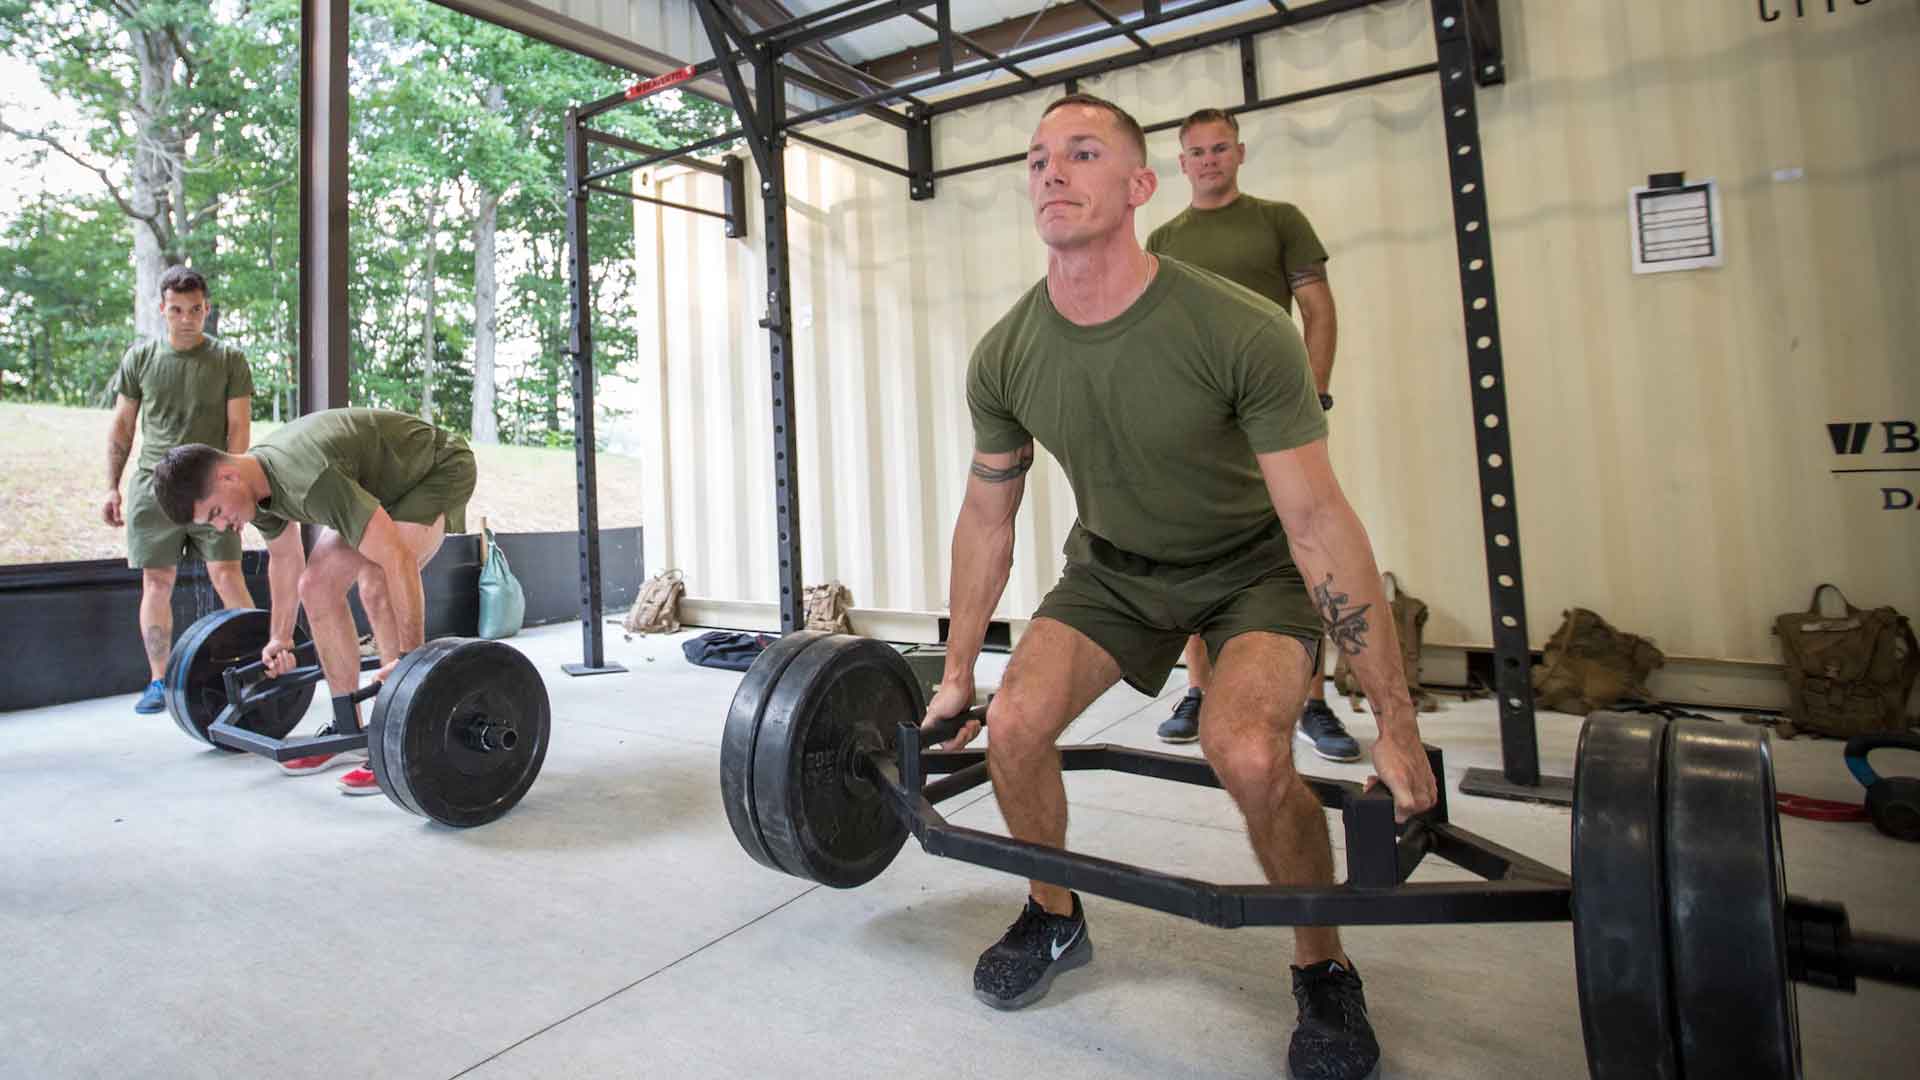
{"x":183,"y":388}
{"x":1270,"y":248}
{"x":1182,"y":411}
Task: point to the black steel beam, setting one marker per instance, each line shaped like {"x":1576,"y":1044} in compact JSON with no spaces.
{"x":224,"y":732}
{"x":804,"y":31}
{"x":580,"y":352}
{"x":605,"y":190}
{"x":666,"y":155}
{"x":779,"y":325}
{"x":943,"y":26}
{"x":1114,"y":20}
{"x":832,"y":89}
{"x":920,"y":174}
{"x":1493,"y":447}
{"x":1249,"y":71}
{"x":324,"y":332}
{"x":1237,"y":110}
{"x":851,"y":155}
{"x":605,"y":138}
{"x":733,"y":195}
{"x":1483,"y":28}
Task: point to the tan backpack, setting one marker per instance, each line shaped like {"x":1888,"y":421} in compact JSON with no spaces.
{"x":1590,"y":665}
{"x":1409,"y":622}
{"x":1849,"y":670}
{"x":657,"y":609}
{"x":826,"y":608}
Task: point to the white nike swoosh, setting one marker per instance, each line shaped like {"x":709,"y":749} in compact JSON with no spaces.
{"x":1059,"y":948}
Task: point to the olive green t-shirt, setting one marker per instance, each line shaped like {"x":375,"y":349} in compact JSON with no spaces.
{"x":1155,"y":414}
{"x":336,"y":467}
{"x":183,"y":395}
{"x":1251,"y":242}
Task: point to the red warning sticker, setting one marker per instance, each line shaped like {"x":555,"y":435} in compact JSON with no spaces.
{"x":659,"y":82}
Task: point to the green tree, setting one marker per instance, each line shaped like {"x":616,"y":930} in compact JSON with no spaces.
{"x":63,"y":306}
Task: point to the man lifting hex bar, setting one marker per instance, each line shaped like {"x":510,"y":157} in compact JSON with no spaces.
{"x":1185,"y":416}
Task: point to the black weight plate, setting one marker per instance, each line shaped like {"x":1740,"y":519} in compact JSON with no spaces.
{"x":738,"y":738}
{"x":459,"y":731}
{"x":820,"y":818}
{"x":1727,"y":895}
{"x":1619,"y":899}
{"x":195,"y":691}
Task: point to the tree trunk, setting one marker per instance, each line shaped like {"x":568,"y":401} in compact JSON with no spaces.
{"x":157,"y":176}
{"x":486,"y":296}
{"x":433,"y":293}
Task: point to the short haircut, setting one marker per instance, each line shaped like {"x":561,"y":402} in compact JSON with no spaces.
{"x":183,"y":477}
{"x":1127,"y":123}
{"x":1208,"y":116}
{"x":182,"y":279}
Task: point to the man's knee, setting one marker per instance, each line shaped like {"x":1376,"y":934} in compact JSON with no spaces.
{"x":1018,"y":728}
{"x":1248,"y":754}
{"x":324,"y":580}
{"x":158,"y":579}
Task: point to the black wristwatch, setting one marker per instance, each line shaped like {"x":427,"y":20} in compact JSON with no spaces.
{"x":1326,"y":402}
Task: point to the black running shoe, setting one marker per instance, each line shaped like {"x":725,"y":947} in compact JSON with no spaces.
{"x":1323,"y":731}
{"x":1017,"y":970}
{"x":1184,"y":725}
{"x":1332,"y":1040}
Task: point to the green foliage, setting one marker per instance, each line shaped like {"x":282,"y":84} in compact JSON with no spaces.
{"x":447,"y":111}
{"x":64,"y":283}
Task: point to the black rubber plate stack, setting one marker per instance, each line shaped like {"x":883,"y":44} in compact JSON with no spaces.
{"x":1727,"y":892}
{"x":460,"y":730}
{"x":195,"y":691}
{"x":806,"y":712}
{"x":1620,"y":899}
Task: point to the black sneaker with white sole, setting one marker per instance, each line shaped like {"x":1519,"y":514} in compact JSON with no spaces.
{"x":1017,"y":970}
{"x":1332,"y":1039}
{"x":1322,"y":730}
{"x":1184,"y":725}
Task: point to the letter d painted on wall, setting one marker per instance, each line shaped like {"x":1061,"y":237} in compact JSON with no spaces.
{"x":1896,"y":499}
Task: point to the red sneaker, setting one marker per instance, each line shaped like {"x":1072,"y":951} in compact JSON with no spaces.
{"x":313,"y":763}
{"x":360,"y":781}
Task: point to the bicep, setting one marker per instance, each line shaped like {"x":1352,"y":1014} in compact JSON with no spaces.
{"x":1300,"y":482}
{"x":125,"y":409}
{"x":996,"y":482}
{"x":1312,"y":292}
{"x":239,"y":421}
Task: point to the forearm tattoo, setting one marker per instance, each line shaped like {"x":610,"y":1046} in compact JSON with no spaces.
{"x":1312,"y":275}
{"x":118,"y":448}
{"x":1346,"y":626}
{"x":1002,"y":474}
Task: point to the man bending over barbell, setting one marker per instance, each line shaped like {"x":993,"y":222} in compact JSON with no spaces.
{"x":1184,"y":413}
{"x":384,"y":487}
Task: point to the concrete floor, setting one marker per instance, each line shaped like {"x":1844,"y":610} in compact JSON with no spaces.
{"x":170,"y":911}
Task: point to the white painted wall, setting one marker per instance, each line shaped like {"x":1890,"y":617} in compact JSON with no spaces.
{"x":1670,"y":431}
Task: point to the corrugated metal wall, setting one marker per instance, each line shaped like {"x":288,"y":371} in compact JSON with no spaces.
{"x":1672,"y":453}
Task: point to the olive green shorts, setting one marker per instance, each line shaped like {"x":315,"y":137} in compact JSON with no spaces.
{"x":444,"y":490}
{"x":1142,"y":612}
{"x":154,"y":541}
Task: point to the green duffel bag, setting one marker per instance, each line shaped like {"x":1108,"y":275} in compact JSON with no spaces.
{"x":503,"y":604}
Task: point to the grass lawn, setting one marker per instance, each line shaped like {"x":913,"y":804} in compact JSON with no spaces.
{"x":55,"y":460}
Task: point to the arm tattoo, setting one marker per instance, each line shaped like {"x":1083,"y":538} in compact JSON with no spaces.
{"x":1300,"y":279}
{"x":117,"y":450}
{"x":1347,"y":626}
{"x":1001,"y":475}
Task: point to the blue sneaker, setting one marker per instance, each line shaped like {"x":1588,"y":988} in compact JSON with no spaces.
{"x":1322,"y":730}
{"x":1184,"y":725}
{"x":154,"y":700}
